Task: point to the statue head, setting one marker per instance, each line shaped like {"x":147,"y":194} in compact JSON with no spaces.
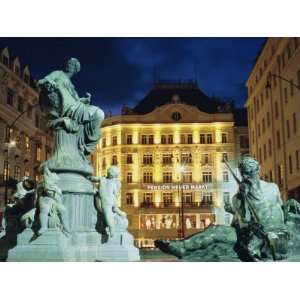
{"x":249,"y":167}
{"x":73,"y":65}
{"x":113,"y":172}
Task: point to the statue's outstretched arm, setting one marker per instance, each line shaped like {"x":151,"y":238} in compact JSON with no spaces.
{"x":94,"y":178}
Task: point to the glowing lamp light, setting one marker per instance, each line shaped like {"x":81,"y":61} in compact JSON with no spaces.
{"x":180,"y":169}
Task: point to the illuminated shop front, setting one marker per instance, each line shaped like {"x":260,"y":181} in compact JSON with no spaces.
{"x":170,"y":157}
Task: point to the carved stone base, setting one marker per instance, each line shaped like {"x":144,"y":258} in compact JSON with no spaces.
{"x":118,"y":248}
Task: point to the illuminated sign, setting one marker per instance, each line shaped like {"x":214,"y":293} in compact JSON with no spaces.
{"x":172,"y":186}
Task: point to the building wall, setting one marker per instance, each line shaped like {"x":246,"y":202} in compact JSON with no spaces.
{"x":33,"y":144}
{"x":273,"y":113}
{"x":150,"y":220}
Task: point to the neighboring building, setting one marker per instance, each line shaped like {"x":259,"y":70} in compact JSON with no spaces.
{"x":273,"y":113}
{"x":169,"y":148}
{"x":32,"y":144}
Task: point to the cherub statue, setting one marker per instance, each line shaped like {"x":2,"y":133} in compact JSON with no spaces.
{"x":108,"y":192}
{"x":50,"y":201}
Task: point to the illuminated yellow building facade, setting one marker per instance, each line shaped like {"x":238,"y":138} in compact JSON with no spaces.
{"x":170,"y":155}
{"x":273,"y":113}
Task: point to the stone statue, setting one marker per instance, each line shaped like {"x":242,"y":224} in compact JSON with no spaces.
{"x":258,"y":231}
{"x":79,"y":120}
{"x":108,"y":192}
{"x":50,"y":201}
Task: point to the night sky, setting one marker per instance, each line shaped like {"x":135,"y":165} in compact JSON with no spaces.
{"x":119,"y":71}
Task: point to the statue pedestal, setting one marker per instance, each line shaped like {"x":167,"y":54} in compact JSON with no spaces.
{"x":118,"y":248}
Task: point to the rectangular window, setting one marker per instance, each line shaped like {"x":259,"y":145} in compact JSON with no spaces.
{"x":114,"y":140}
{"x":276,"y":110}
{"x":225,"y":156}
{"x":270,"y":147}
{"x":129,"y":159}
{"x":297,"y":159}
{"x":205,"y":158}
{"x":38,"y":153}
{"x":17,"y":175}
{"x":182,"y":139}
{"x":265,"y":151}
{"x":10,"y":97}
{"x":167,"y":199}
{"x":268,"y":119}
{"x":290,"y":164}
{"x":114,"y":161}
{"x":294,"y":123}
{"x":129,"y":199}
{"x":144,"y":140}
{"x":163,"y":139}
{"x":103,"y":142}
{"x":207,"y":177}
{"x":209,"y":138}
{"x":190,"y":139}
{"x":263,"y":125}
{"x":167,"y":159}
{"x":224,"y":138}
{"x":129,"y":139}
{"x":167,"y":177}
{"x":6,"y":170}
{"x":129,"y":177}
{"x":278,"y":139}
{"x":288,"y":129}
{"x":27,"y":143}
{"x":29,"y":111}
{"x":148,"y":198}
{"x":187,"y":177}
{"x":151,"y":140}
{"x":226,"y":197}
{"x":202,"y":138}
{"x":148,"y":177}
{"x":21,"y":104}
{"x":147,"y":159}
{"x":187,"y":198}
{"x":170,"y":139}
{"x":186,"y":158}
{"x":207,"y":198}
{"x":225,"y":176}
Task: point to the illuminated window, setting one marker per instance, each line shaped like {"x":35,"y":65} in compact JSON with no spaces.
{"x":148,"y":198}
{"x":186,"y":158}
{"x":207,"y":177}
{"x":144,"y":139}
{"x":187,"y":198}
{"x":129,"y":159}
{"x":207,"y":198}
{"x":225,"y":176}
{"x":114,"y":140}
{"x":129,"y":139}
{"x":103,"y":142}
{"x":205,"y":158}
{"x":167,"y":199}
{"x":147,"y":159}
{"x":190,"y":139}
{"x":148,"y":177}
{"x":27,"y":143}
{"x":129,"y":198}
{"x":170,"y":139}
{"x":224,"y":138}
{"x":26,"y":172}
{"x":167,"y":159}
{"x":129,"y":177}
{"x":225,"y":156}
{"x":187,"y":177}
{"x":104,"y":163}
{"x":38,"y":153}
{"x":17,"y":173}
{"x":114,"y":160}
{"x":167,"y":177}
{"x":202,"y":138}
{"x":209,"y":138}
{"x":6,"y":170}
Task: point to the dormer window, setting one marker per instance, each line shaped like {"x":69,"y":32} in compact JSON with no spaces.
{"x":5,"y":60}
{"x":17,"y":70}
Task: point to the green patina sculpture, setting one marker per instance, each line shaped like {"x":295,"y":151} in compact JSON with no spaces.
{"x":108,"y":192}
{"x":259,"y":229}
{"x":76,"y":122}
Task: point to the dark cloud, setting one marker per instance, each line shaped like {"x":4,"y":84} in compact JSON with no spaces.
{"x":122,"y":70}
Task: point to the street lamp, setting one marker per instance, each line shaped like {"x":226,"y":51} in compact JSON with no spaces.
{"x":180,"y":170}
{"x":12,"y":144}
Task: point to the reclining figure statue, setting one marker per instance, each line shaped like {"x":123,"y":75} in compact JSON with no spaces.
{"x":258,"y":231}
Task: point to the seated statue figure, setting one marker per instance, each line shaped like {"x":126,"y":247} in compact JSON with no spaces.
{"x":108,"y":192}
{"x":69,"y":111}
{"x":50,"y":201}
{"x":258,"y":231}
